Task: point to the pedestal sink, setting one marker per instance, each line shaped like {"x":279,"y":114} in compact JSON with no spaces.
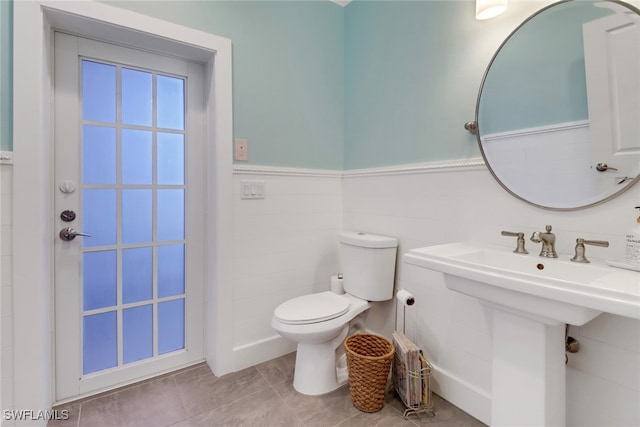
{"x":531,"y":298}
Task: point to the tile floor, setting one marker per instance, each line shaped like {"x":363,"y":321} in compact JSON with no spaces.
{"x":258,"y":396}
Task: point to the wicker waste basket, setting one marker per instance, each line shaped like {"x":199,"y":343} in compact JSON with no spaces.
{"x":369,"y":360}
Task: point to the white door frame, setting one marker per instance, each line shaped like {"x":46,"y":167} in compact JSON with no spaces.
{"x":34,"y":22}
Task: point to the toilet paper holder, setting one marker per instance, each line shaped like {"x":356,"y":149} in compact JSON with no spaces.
{"x":407,"y":300}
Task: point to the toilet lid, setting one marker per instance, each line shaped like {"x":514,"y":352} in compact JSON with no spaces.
{"x":312,"y":308}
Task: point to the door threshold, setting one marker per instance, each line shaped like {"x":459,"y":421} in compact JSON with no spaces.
{"x":123,"y":386}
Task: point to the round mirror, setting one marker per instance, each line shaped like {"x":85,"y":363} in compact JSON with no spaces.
{"x":558,"y":114}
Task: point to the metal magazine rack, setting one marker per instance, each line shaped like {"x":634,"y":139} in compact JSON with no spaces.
{"x":411,"y":374}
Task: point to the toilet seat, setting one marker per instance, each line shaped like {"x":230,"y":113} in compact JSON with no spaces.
{"x":312,"y":308}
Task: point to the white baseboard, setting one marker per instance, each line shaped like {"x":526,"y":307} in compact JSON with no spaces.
{"x":475,"y":401}
{"x":261,"y":351}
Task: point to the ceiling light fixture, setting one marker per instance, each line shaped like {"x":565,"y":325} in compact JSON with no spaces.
{"x":487,"y":9}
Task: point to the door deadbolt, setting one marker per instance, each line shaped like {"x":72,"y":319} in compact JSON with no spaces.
{"x":67,"y":216}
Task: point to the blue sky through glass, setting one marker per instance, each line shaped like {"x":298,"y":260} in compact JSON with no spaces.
{"x":98,"y":92}
{"x":137,"y":97}
{"x":170,"y":102}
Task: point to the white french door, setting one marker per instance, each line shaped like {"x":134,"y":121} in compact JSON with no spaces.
{"x":129,"y":243}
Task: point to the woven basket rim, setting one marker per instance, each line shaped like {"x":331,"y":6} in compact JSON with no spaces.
{"x":380,"y":337}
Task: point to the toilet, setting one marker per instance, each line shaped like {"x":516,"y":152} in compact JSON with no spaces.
{"x":320,"y":322}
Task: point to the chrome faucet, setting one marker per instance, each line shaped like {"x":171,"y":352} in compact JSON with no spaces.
{"x":548,"y":240}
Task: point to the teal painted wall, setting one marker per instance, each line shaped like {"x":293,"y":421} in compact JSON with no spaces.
{"x":377,"y":83}
{"x":6,"y":35}
{"x":288,"y":73}
{"x":412,"y":76}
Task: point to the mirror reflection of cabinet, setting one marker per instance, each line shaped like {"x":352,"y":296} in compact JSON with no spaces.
{"x":545,"y":122}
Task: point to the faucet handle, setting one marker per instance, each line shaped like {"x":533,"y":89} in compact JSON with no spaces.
{"x":602,"y":243}
{"x":580,"y":242}
{"x":520,"y":242}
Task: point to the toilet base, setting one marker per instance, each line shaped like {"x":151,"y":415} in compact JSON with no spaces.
{"x":316,"y":371}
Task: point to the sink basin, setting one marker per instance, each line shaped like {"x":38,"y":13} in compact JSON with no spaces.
{"x":553,"y":289}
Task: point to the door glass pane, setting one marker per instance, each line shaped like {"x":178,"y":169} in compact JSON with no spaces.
{"x":137,"y":333}
{"x":170,"y":215}
{"x":137,"y":275}
{"x":136,"y":216}
{"x":170,"y":158}
{"x":137,"y":97}
{"x":137,"y":155}
{"x":99,"y":349}
{"x":170,"y":326}
{"x":98,"y":92}
{"x":170,"y":270}
{"x":99,"y":217}
{"x":133,"y":206}
{"x":170,"y":102}
{"x":98,"y":279}
{"x":98,"y":155}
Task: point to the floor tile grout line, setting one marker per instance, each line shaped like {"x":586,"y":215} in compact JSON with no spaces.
{"x":226,"y":404}
{"x":293,"y":409}
{"x":401,"y":412}
{"x":187,"y":416}
{"x":184,"y":408}
{"x":221,"y":407}
{"x":279,"y":396}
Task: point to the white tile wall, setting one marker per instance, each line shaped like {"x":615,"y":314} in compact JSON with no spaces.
{"x":285,"y":246}
{"x":6,"y":287}
{"x":449,"y":205}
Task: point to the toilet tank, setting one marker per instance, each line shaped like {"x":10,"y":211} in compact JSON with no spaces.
{"x":368,"y":265}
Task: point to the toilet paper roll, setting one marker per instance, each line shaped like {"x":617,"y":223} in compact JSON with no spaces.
{"x":336,"y":285}
{"x":405,"y":298}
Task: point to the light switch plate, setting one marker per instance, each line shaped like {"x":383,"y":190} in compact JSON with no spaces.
{"x":250,"y":189}
{"x":6,"y":157}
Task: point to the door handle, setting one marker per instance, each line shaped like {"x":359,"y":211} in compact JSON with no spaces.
{"x":68,"y":234}
{"x":601,"y":167}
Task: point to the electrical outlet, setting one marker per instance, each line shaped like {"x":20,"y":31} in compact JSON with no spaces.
{"x":241,"y":150}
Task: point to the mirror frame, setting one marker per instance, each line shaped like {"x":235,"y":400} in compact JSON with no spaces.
{"x":604,"y":199}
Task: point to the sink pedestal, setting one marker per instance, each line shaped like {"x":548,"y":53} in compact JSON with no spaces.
{"x":531,"y":299}
{"x":528,"y":377}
